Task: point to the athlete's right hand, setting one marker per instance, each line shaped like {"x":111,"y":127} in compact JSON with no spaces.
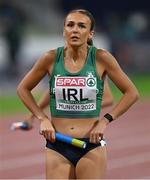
{"x":47,"y":130}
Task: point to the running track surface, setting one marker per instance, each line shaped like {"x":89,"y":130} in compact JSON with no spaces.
{"x":128,"y":146}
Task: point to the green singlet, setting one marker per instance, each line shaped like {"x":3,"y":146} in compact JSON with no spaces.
{"x":75,"y":95}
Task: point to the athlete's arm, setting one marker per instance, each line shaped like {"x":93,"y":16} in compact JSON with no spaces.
{"x":121,"y":80}
{"x":109,"y":66}
{"x":42,"y":67}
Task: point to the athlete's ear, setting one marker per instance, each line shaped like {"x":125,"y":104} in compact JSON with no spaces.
{"x":91,"y":34}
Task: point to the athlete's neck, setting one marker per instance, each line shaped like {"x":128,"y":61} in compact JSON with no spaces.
{"x":76,"y":54}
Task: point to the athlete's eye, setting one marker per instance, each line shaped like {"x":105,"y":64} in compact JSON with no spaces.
{"x":70,"y":24}
{"x":81,"y":25}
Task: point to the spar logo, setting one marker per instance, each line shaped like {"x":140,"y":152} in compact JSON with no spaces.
{"x":71,"y":81}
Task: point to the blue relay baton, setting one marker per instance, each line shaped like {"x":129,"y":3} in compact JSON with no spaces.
{"x":70,"y":140}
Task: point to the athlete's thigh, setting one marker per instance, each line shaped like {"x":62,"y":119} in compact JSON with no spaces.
{"x":93,"y":164}
{"x":57,"y":166}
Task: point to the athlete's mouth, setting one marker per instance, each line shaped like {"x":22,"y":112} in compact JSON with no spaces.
{"x":74,"y":37}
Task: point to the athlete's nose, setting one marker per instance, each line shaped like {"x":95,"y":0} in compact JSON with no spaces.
{"x":75,"y":28}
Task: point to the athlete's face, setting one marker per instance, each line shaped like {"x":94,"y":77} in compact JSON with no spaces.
{"x":77,"y":29}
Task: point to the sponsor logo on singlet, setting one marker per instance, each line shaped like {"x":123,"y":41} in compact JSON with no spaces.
{"x":75,"y":93}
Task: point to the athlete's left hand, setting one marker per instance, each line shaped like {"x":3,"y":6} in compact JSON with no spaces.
{"x":97,"y":132}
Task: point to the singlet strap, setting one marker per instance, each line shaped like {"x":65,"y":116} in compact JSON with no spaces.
{"x":58,"y":53}
{"x":57,"y":58}
{"x":93,"y":56}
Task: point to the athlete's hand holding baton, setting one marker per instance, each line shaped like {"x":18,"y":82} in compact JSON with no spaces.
{"x":48,"y":131}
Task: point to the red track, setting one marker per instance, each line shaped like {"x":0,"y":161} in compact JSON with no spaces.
{"x":128,"y":144}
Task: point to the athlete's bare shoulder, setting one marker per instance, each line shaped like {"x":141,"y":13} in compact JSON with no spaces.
{"x":50,"y":55}
{"x":48,"y":59}
{"x":104,"y":57}
{"x":102,"y":54}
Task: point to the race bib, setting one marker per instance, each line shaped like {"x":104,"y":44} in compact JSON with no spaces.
{"x":75,"y":93}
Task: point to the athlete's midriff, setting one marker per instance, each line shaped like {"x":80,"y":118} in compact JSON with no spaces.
{"x":77,"y":128}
